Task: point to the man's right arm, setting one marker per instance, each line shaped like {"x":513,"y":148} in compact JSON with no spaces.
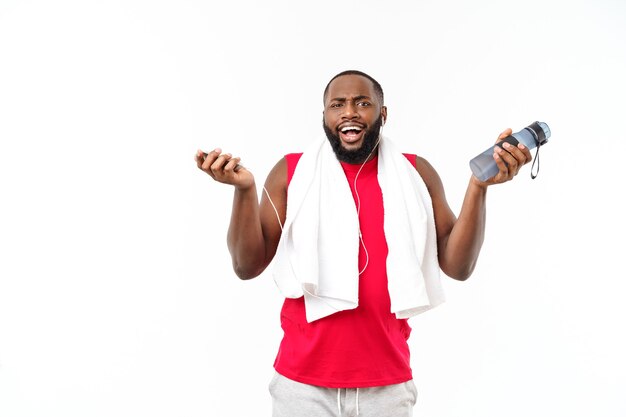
{"x":254,"y":229}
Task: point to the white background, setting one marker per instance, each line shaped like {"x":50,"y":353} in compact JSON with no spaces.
{"x":117,"y":296}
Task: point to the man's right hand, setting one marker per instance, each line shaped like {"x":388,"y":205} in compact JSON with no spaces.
{"x":222,"y":167}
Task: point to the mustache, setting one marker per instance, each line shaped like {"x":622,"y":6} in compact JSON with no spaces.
{"x":355,"y":156}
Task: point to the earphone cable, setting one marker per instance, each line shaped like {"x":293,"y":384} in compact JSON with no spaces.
{"x":358,"y":198}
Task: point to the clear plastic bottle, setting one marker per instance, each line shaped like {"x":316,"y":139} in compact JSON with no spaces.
{"x":483,"y":166}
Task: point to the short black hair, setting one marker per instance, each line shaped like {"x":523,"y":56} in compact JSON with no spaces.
{"x":377,"y":88}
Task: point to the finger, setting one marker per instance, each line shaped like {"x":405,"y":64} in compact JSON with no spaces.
{"x":513,"y":150}
{"x":210,"y":158}
{"x":506,"y":152}
{"x":217,"y":167}
{"x":232,"y":165}
{"x":204,"y":155}
{"x":527,"y":156}
{"x":503,"y":166}
{"x":521,"y":153}
{"x":199,"y":158}
{"x":504,"y":134}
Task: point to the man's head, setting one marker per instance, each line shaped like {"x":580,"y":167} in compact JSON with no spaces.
{"x":354,"y":111}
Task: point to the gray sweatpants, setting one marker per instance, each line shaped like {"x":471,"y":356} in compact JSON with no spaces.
{"x":294,"y":399}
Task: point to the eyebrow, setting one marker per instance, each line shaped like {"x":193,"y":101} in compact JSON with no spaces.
{"x":354,"y":98}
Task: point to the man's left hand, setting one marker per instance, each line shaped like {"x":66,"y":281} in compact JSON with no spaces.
{"x":509,"y":160}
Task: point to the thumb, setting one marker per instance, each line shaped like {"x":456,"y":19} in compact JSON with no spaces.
{"x":506,"y":133}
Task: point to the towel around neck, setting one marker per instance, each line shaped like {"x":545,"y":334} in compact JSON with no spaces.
{"x":317,"y":255}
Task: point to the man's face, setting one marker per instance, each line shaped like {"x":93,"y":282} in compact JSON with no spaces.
{"x":352,"y":117}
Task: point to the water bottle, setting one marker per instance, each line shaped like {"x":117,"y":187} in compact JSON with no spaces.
{"x":484,"y":166}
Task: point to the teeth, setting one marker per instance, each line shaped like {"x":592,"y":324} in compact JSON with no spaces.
{"x":345,"y":129}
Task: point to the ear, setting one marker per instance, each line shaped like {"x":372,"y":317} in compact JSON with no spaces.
{"x":383,"y":113}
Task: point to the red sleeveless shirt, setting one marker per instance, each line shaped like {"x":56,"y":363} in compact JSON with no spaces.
{"x":363,"y":347}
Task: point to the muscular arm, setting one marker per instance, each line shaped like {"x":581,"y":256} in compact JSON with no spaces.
{"x":459,"y":240}
{"x":254,"y":230}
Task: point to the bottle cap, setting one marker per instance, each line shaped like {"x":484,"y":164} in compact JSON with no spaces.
{"x":540,"y":131}
{"x":546,"y":130}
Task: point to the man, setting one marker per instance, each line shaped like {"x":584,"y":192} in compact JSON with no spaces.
{"x":350,"y":356}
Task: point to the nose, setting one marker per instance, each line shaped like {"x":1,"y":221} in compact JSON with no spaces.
{"x":350,"y":110}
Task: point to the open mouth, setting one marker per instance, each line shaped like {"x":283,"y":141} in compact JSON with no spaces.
{"x":351,"y":133}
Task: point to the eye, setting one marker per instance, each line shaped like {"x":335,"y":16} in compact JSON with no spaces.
{"x":364,"y":103}
{"x":335,"y":105}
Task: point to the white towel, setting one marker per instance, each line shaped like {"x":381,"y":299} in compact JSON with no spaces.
{"x":317,"y":254}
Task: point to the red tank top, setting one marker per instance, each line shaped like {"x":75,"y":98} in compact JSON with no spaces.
{"x":363,"y":347}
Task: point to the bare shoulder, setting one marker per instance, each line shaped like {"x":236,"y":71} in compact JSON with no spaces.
{"x":274,"y":196}
{"x":429,"y":175}
{"x":277,"y":178}
{"x":274,"y":207}
{"x":444,"y":217}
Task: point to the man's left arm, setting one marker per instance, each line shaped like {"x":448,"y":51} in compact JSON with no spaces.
{"x":459,"y":240}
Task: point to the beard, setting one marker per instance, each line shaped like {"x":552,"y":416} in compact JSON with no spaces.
{"x":356,"y":156}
